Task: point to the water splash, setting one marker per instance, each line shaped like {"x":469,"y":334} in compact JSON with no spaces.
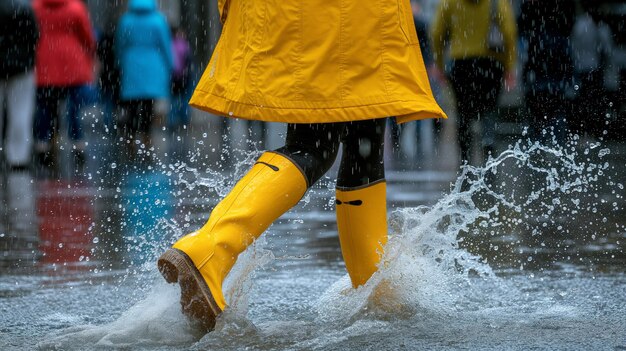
{"x":157,"y":320}
{"x":427,"y":266}
{"x":213,"y":179}
{"x":432,"y":271}
{"x":154,"y":321}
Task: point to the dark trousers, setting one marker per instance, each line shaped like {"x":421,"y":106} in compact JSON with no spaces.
{"x":314,"y":148}
{"x":47,"y":116}
{"x":138,"y":117}
{"x":477,"y":83}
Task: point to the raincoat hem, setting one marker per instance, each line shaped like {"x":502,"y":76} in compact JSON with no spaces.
{"x":404,"y":110}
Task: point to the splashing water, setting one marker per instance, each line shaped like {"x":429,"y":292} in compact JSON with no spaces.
{"x":425,"y":268}
{"x":435,"y":270}
{"x":154,"y":321}
{"x":157,"y":320}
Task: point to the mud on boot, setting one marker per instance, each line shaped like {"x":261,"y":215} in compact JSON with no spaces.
{"x":196,"y":299}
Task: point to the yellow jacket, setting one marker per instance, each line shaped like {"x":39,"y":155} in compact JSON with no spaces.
{"x":316,"y":61}
{"x":464,"y":24}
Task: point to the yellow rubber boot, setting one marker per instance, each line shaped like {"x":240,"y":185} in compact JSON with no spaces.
{"x":362,"y":226}
{"x":200,"y":261}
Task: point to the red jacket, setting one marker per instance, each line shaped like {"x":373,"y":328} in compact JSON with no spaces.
{"x":66,"y":48}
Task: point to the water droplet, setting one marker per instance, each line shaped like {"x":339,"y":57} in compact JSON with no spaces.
{"x":96,"y":240}
{"x":113,"y":165}
{"x":604,"y":152}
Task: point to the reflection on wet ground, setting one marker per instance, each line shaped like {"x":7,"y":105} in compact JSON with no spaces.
{"x":77,"y":248}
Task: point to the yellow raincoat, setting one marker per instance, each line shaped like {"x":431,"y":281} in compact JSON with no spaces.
{"x":317,"y":61}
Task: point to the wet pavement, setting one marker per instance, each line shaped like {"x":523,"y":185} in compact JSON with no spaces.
{"x":533,"y":260}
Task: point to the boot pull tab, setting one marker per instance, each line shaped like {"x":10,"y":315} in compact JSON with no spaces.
{"x":274,"y":168}
{"x":353,"y":202}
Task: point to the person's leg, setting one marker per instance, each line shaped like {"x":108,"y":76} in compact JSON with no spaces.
{"x":489,"y":81}
{"x":20,"y":108}
{"x":105,"y":100}
{"x":361,"y":202}
{"x":74,"y":106}
{"x":462,"y":81}
{"x":144,"y":121}
{"x":47,"y":112}
{"x":312,"y":147}
{"x":362,"y":162}
{"x":78,"y":98}
{"x":200,"y":261}
{"x":395,"y":132}
{"x":132,"y":113}
{"x":178,"y":115}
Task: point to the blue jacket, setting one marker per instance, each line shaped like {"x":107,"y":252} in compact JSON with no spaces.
{"x":143,"y":46}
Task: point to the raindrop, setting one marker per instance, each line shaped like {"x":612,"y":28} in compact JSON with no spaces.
{"x":96,"y":240}
{"x":113,"y":165}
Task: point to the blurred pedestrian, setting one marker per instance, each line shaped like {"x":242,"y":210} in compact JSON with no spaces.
{"x":65,"y":70}
{"x":592,"y":45}
{"x":143,"y":46}
{"x":478,"y":66}
{"x":18,"y":39}
{"x":181,"y":80}
{"x":613,"y":15}
{"x":545,"y":27}
{"x":333,"y":72}
{"x":109,"y":76}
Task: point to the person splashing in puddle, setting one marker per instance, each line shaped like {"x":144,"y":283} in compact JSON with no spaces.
{"x":333,"y":71}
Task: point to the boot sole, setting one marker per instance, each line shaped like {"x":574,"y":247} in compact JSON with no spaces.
{"x":196,"y":299}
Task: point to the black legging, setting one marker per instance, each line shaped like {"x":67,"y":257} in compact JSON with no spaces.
{"x":314,"y":147}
